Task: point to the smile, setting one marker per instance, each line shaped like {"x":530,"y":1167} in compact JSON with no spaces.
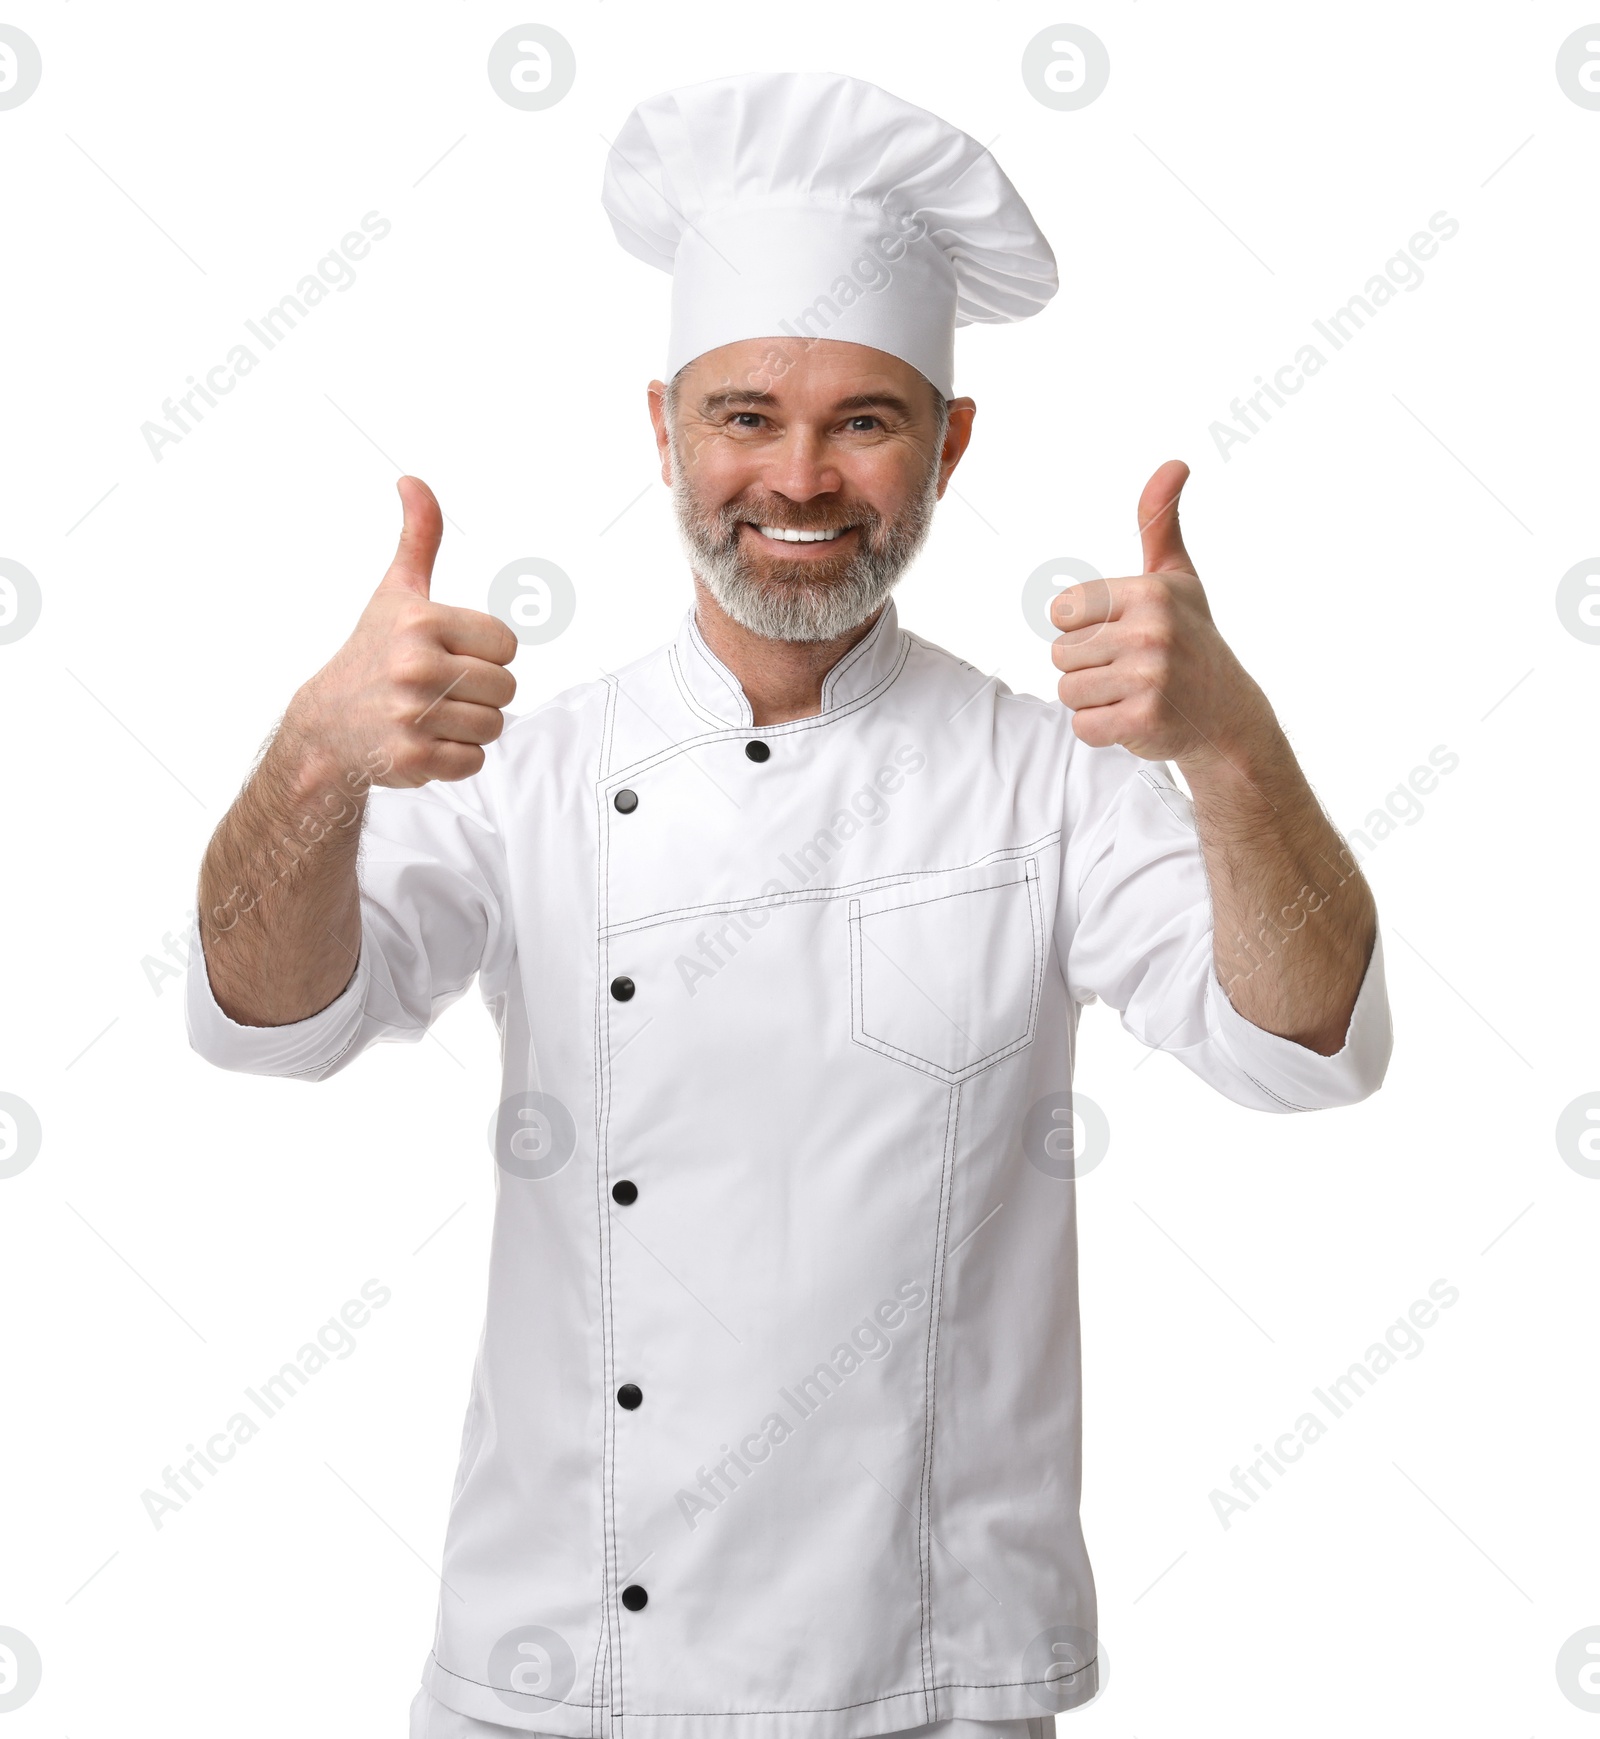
{"x":781,"y":534}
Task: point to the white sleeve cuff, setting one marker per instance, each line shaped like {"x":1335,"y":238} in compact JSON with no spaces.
{"x":1299,"y":1079}
{"x":311,"y":1047}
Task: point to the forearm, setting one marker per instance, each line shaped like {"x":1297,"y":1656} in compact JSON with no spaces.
{"x":411,"y":696}
{"x":1294,"y":920}
{"x":280,"y":906}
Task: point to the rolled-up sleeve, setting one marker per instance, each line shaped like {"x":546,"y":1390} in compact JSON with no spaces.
{"x":433,"y":916}
{"x":1135,"y":931}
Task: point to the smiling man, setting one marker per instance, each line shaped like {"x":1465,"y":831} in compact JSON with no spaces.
{"x":775,"y":1426}
{"x":804,"y":474}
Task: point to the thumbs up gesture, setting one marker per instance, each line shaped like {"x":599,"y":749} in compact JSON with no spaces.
{"x":1143,"y":664}
{"x":418,"y":688}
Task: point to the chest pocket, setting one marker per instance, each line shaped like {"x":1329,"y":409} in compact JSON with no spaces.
{"x":945,"y":973}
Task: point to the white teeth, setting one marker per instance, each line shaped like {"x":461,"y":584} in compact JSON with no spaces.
{"x":781,"y":534}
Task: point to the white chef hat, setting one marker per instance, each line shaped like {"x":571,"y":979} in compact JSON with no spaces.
{"x":808,"y":204}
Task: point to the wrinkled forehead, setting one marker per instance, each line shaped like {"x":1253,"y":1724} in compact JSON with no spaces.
{"x":801,"y":376}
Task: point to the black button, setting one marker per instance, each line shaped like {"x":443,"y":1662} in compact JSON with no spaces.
{"x":629,"y":1396}
{"x":626,"y":1192}
{"x":622,"y":988}
{"x":626,"y":801}
{"x":758,"y":751}
{"x":634,"y":1597}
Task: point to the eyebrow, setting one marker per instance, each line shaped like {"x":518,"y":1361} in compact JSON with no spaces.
{"x":867,"y":401}
{"x":721,"y":401}
{"x":856,"y":403}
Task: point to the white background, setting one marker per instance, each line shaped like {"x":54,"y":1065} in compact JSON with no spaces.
{"x":1384,"y":557}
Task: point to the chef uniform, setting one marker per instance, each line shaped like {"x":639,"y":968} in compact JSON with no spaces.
{"x":774,"y":1430}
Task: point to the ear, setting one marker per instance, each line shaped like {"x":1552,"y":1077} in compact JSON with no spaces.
{"x":956,"y":437}
{"x":657,"y":392}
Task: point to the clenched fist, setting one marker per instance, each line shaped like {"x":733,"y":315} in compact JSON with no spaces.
{"x":418,"y":688}
{"x":1143,"y":663}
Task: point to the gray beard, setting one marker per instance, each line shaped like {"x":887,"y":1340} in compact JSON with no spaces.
{"x":793,"y":602}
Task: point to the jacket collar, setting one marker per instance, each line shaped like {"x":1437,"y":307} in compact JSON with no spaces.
{"x":715,"y":693}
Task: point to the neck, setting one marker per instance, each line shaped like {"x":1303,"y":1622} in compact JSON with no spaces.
{"x":782,"y":679}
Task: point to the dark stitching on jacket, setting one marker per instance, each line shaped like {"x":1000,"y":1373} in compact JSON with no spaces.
{"x":930,"y":1378}
{"x":599,"y":1691}
{"x":734,"y":733}
{"x":1287,"y":1104}
{"x":840,"y":890}
{"x":949,"y":1077}
{"x":853,"y":926}
{"x":719,"y":670}
{"x":1038,"y":952}
{"x":608,"y":722}
{"x":343,"y":1051}
{"x":609,"y":1556}
{"x":853,"y":656}
{"x":955,"y":1077}
{"x":808,"y":1709}
{"x":865,"y":1703}
{"x":602,"y":1651}
{"x":958,"y":894}
{"x":687,"y":694}
{"x":554,"y":1702}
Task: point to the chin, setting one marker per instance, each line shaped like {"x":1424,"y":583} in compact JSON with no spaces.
{"x":774,"y":571}
{"x":800,"y":608}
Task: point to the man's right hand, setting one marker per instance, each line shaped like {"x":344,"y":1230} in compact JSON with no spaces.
{"x":412,"y":695}
{"x":418,"y":688}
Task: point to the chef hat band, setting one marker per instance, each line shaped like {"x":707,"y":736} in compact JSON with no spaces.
{"x":810,"y":205}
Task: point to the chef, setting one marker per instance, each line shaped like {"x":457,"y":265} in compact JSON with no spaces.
{"x":775,"y":1430}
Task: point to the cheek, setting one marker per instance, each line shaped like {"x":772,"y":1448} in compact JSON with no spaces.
{"x":887,"y":478}
{"x":714,"y":468}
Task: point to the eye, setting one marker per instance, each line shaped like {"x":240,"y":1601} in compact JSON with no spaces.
{"x":865,"y":422}
{"x":746,"y":420}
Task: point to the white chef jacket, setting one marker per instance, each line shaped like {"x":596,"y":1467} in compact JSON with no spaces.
{"x":430,"y":1719}
{"x":782,"y":1327}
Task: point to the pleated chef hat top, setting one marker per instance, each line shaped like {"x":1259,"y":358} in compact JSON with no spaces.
{"x":808,"y":204}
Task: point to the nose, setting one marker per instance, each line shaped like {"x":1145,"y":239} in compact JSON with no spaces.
{"x":800,"y":466}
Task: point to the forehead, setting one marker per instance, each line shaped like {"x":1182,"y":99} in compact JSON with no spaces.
{"x":801,"y":374}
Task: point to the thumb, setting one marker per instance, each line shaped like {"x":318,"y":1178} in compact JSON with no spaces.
{"x":423,"y":527}
{"x":1159,"y":535}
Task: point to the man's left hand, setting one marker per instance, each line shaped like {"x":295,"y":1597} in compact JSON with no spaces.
{"x":1143,"y":662}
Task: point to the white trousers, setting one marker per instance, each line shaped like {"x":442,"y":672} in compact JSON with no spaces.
{"x":432,"y":1720}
